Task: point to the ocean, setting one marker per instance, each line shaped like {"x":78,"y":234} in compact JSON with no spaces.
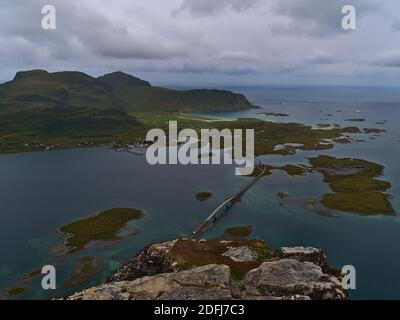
{"x":42,"y":191}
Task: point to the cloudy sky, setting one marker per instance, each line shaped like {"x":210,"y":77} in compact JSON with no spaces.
{"x":207,"y":42}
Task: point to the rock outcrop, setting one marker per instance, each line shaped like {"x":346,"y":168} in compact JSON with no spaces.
{"x":291,"y":278}
{"x":207,"y":282}
{"x":221,"y":270}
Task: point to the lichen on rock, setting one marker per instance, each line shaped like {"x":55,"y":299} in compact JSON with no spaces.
{"x":172,"y":271}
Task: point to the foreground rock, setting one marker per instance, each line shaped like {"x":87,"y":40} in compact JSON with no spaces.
{"x":291,"y":278}
{"x":221,"y":270}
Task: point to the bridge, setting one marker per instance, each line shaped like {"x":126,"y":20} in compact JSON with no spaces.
{"x":212,"y":218}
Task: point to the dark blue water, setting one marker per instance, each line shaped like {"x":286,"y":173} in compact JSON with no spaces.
{"x":41,"y":191}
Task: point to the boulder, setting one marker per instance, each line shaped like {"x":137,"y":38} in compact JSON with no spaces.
{"x":292,"y":278}
{"x":203,"y":270}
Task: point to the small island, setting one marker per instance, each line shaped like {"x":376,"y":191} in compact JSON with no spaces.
{"x":323,"y":125}
{"x":27,"y":276}
{"x":373,"y":130}
{"x":242,"y":232}
{"x":16,"y":291}
{"x":84,"y":270}
{"x":354,"y":185}
{"x":273,"y":114}
{"x":203,"y":196}
{"x":104,"y":226}
{"x":356,"y":120}
{"x":293,"y":170}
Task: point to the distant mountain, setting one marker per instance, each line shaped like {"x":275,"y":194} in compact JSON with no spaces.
{"x":166,"y":100}
{"x":121,"y":81}
{"x":39,"y":89}
{"x":40,"y":110}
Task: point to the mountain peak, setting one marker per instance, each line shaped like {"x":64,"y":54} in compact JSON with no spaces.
{"x":30,"y":73}
{"x":119,"y":78}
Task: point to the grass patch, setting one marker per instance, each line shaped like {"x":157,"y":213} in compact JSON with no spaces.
{"x":16,"y":291}
{"x":373,"y":130}
{"x":31,"y":274}
{"x":273,"y":114}
{"x":101,"y":227}
{"x":203,"y":196}
{"x":342,"y":140}
{"x":283,"y":195}
{"x":243,"y":231}
{"x":84,"y":270}
{"x":84,"y":127}
{"x":189,"y":254}
{"x":354,"y":185}
{"x":365,"y":203}
{"x":293,"y":170}
{"x":356,"y":120}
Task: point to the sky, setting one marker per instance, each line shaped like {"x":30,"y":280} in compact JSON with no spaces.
{"x":207,"y":42}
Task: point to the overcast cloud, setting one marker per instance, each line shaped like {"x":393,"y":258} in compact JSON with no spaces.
{"x":207,"y":42}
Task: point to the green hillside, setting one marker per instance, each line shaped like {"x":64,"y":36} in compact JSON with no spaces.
{"x":44,"y":129}
{"x":66,"y":122}
{"x":118,"y":82}
{"x":38,"y":89}
{"x":155,"y":99}
{"x":41,"y":110}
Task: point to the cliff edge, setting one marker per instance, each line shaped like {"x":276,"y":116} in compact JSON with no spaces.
{"x":221,"y":270}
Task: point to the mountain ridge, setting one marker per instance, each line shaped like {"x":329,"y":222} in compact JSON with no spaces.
{"x":40,"y":89}
{"x":40,"y":110}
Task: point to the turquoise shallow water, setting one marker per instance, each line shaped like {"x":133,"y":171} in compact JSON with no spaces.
{"x":41,"y":191}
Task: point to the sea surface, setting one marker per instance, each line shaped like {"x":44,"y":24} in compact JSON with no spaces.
{"x":42,"y":191}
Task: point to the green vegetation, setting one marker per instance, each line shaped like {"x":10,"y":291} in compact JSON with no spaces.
{"x":283,"y":195}
{"x":293,"y":170}
{"x":354,"y":184}
{"x":259,"y":169}
{"x":268,"y":135}
{"x":353,"y":181}
{"x":242,"y":232}
{"x":84,"y":270}
{"x":323,"y":125}
{"x":154,"y":99}
{"x":44,"y":111}
{"x":101,"y":227}
{"x":342,"y":140}
{"x":37,"y":130}
{"x":16,"y":291}
{"x":367,"y":203}
{"x":352,"y":130}
{"x":273,"y":114}
{"x":203,"y":196}
{"x":190,"y":254}
{"x":373,"y":130}
{"x":293,"y":136}
{"x":31,"y":274}
{"x":356,"y":120}
{"x":39,"y":89}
